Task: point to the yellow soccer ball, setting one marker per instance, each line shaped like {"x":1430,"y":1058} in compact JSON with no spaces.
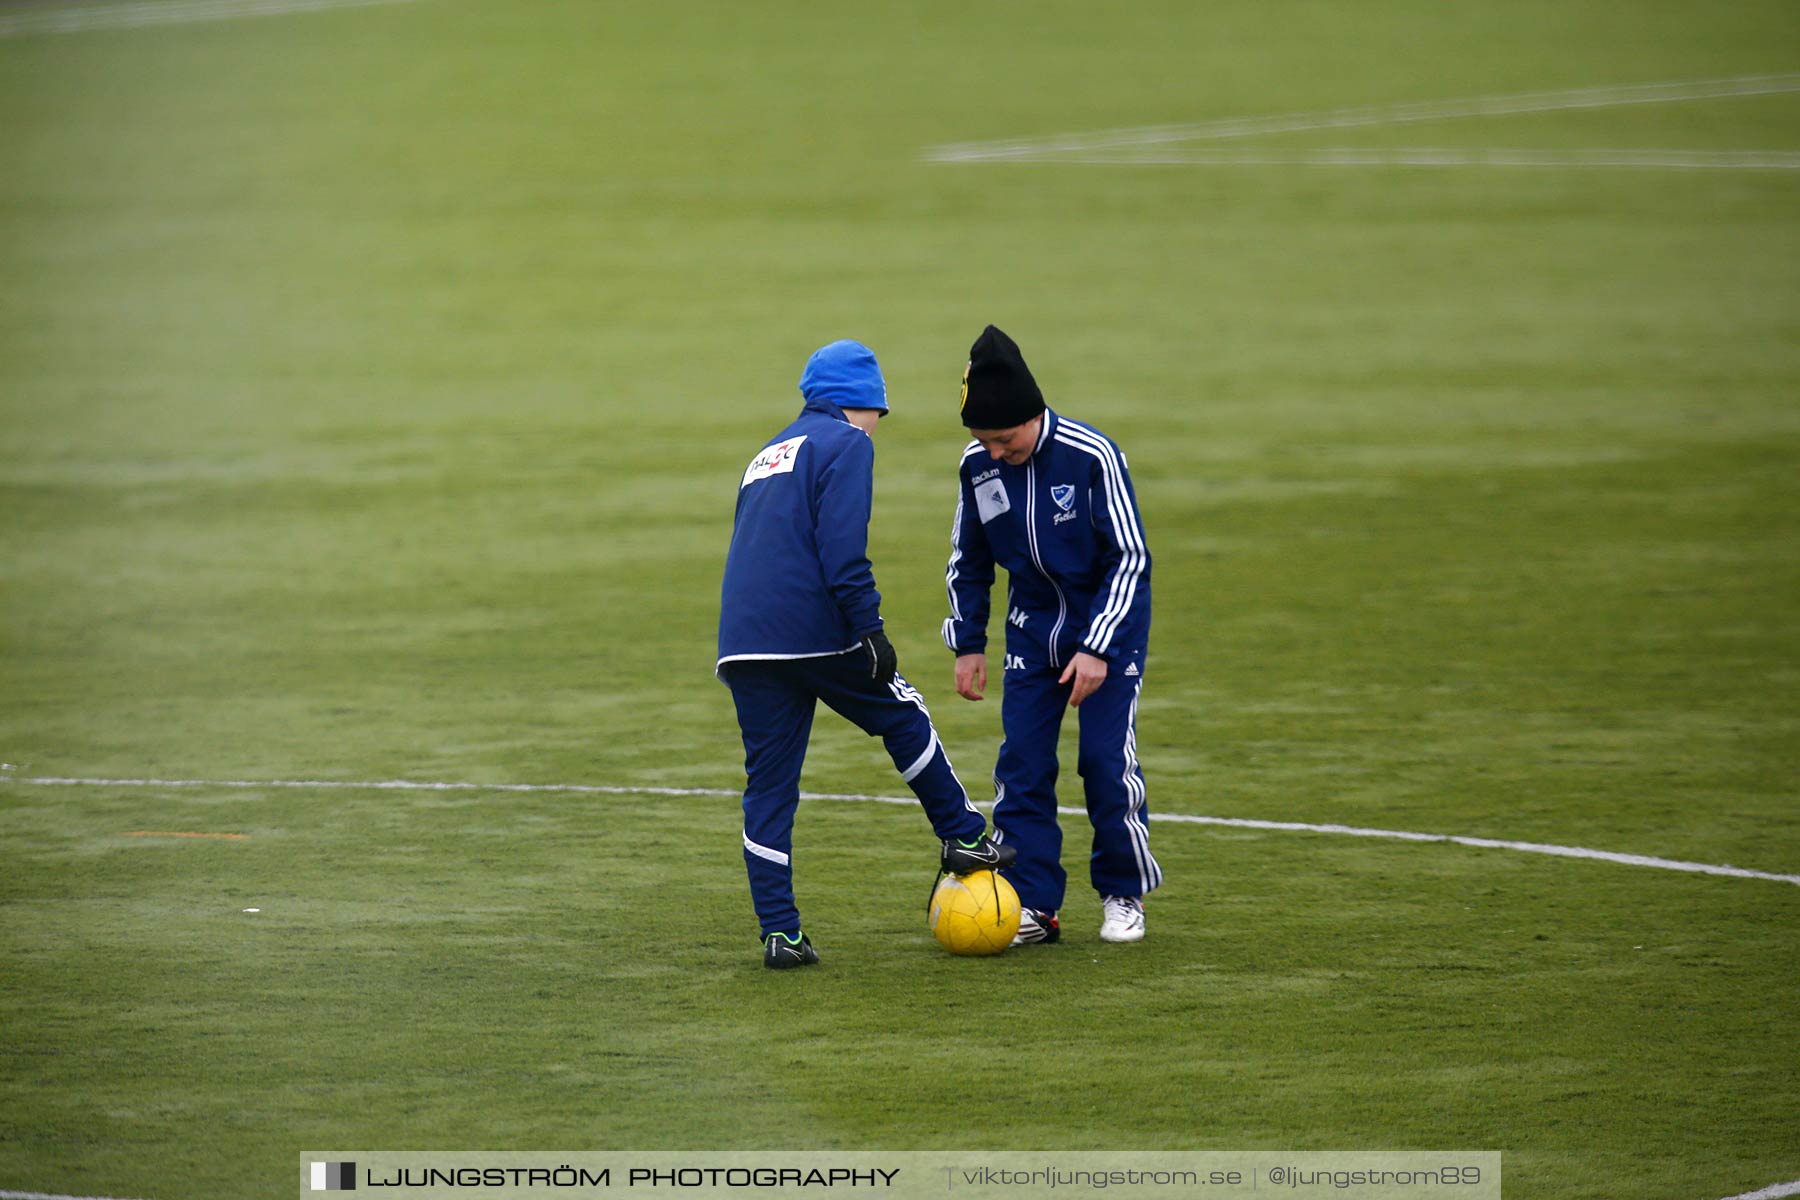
{"x":977,"y":913}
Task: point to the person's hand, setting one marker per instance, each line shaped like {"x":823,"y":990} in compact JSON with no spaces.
{"x":883,"y":662}
{"x":971,"y":675}
{"x":1088,"y":671}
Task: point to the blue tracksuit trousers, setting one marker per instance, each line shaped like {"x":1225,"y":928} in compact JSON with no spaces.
{"x":775,"y":703}
{"x":1031,"y":713}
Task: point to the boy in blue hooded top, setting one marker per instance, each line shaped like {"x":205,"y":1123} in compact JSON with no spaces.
{"x":800,"y":622}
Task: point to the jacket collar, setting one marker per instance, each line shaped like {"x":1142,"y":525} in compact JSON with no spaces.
{"x":818,"y":404}
{"x":1045,"y":432}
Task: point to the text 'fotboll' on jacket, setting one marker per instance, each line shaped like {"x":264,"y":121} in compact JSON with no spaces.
{"x":1065,"y":525}
{"x":798,"y":582}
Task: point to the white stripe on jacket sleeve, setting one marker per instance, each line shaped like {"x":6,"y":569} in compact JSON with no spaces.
{"x":1127,"y":531}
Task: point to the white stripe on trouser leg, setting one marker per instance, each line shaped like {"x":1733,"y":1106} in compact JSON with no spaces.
{"x":774,"y":856}
{"x":903,"y":690}
{"x":1149,"y":876}
{"x":924,"y":760}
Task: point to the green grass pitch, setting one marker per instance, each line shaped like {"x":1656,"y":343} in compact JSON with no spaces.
{"x":374,"y":384}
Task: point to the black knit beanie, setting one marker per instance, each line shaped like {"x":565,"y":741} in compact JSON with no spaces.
{"x":998,"y":390}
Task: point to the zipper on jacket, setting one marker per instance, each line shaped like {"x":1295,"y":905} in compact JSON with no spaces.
{"x":1062,"y":605}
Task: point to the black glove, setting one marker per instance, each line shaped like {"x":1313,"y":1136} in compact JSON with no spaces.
{"x":883,"y":662}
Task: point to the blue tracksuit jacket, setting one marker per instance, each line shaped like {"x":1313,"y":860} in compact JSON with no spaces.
{"x":798,"y":583}
{"x":1065,"y":526}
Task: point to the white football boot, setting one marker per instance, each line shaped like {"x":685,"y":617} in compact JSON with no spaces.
{"x":1122,"y":919}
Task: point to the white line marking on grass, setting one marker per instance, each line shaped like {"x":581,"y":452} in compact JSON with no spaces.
{"x":1072,"y":146}
{"x":1771,"y":1192}
{"x":1612,"y":856}
{"x":49,"y":1196}
{"x":1431,"y":156}
{"x":139,"y":14}
{"x":418,"y":785}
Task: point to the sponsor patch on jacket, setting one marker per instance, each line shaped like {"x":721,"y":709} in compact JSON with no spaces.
{"x":991,"y":501}
{"x":774,"y":460}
